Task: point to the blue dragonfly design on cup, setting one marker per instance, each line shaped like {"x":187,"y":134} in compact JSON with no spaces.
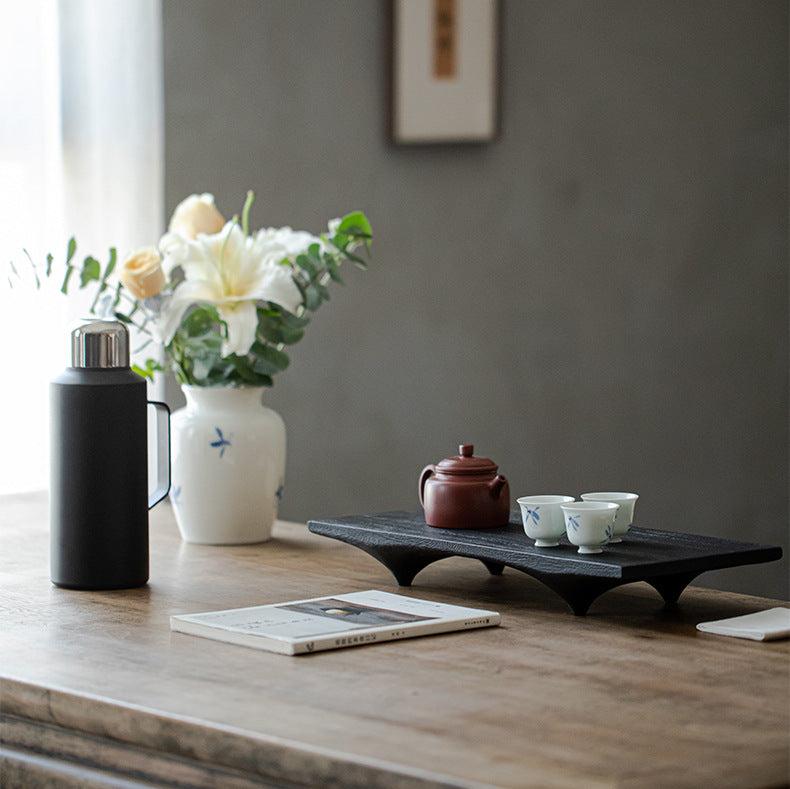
{"x":609,"y":531}
{"x":532,"y":512}
{"x":221,"y":442}
{"x":573,"y":522}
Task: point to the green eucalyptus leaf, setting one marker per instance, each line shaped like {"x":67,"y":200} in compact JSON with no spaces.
{"x":360,"y":262}
{"x":220,"y":374}
{"x":312,"y":298}
{"x":268,"y":360}
{"x":277,"y":327}
{"x":201,"y":320}
{"x":294,"y":322}
{"x":150,"y":367}
{"x":306,"y":264}
{"x":91,"y":270}
{"x":270,"y":331}
{"x":244,"y":372}
{"x":71,"y":249}
{"x":291,"y":336}
{"x":299,"y":285}
{"x":333,"y":269}
{"x":355,"y":224}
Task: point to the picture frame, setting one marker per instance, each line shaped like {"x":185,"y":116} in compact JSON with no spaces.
{"x":444,"y":71}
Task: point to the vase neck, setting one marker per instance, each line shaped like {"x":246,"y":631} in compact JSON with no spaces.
{"x":223,"y":398}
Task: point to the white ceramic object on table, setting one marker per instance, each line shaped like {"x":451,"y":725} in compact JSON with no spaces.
{"x":589,"y":524}
{"x":543,"y":519}
{"x":228,"y":466}
{"x":625,"y":515}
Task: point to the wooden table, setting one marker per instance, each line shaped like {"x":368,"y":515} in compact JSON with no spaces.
{"x":96,"y":690}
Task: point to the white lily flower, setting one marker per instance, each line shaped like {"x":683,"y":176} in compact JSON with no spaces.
{"x":296,"y":242}
{"x":233,"y":272}
{"x":173,"y":249}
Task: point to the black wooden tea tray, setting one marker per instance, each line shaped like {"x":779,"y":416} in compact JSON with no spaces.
{"x":667,"y":560}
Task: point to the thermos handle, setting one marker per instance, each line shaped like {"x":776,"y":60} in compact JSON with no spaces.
{"x":162,"y":453}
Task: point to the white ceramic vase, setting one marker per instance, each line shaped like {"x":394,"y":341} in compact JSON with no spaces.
{"x":228,"y":465}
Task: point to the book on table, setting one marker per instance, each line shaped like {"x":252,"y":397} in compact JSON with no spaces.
{"x":320,"y":623}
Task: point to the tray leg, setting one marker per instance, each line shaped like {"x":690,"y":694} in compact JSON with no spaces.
{"x":403,"y":564}
{"x":495,"y":568}
{"x":578,"y":593}
{"x":670,"y":587}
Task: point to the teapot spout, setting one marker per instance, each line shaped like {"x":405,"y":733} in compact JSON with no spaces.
{"x":496,"y":485}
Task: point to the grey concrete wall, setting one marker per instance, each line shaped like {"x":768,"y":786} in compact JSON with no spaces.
{"x":598,"y":300}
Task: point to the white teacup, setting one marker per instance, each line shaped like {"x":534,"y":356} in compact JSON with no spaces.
{"x":543,"y":519}
{"x":625,"y":515}
{"x":589,"y":524}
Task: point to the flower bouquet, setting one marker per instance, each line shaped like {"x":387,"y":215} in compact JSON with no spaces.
{"x":222,"y":303}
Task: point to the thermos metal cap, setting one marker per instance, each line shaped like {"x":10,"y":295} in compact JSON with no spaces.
{"x":100,"y":344}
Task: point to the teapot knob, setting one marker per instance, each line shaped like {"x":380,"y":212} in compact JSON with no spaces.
{"x":466,"y":450}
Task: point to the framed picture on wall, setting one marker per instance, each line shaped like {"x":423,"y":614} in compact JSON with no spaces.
{"x":445,"y":70}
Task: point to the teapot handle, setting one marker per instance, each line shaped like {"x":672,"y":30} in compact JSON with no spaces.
{"x":426,"y":473}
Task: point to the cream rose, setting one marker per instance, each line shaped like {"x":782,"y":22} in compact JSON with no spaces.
{"x":141,"y":273}
{"x":196,"y":214}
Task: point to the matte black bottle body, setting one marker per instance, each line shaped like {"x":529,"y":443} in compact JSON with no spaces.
{"x":99,"y":479}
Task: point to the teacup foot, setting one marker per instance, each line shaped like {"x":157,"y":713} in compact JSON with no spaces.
{"x":546,"y":543}
{"x":615,"y":540}
{"x":587,"y":549}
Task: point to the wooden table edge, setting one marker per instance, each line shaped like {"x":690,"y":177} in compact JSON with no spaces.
{"x":34,"y":717}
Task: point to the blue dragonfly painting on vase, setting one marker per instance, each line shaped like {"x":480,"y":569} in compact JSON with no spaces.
{"x":220,"y":442}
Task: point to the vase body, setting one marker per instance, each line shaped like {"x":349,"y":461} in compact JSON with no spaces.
{"x":228,"y":465}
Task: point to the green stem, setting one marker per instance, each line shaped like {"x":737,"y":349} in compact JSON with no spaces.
{"x":35,"y":270}
{"x":102,"y":287}
{"x":245,"y":212}
{"x":64,"y":288}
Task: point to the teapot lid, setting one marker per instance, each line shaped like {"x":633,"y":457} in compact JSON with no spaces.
{"x":465,"y":462}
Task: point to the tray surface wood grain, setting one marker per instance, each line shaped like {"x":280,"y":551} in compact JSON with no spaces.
{"x":667,"y":560}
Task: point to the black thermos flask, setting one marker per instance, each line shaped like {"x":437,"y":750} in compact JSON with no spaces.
{"x":99,"y":498}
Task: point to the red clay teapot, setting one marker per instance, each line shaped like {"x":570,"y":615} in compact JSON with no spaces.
{"x":464,"y":492}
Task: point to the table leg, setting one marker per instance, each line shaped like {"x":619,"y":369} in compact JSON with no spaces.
{"x":403,"y":564}
{"x":578,"y":593}
{"x":670,"y":587}
{"x":495,"y":568}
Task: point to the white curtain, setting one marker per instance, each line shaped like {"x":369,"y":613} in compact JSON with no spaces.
{"x":81,"y":153}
